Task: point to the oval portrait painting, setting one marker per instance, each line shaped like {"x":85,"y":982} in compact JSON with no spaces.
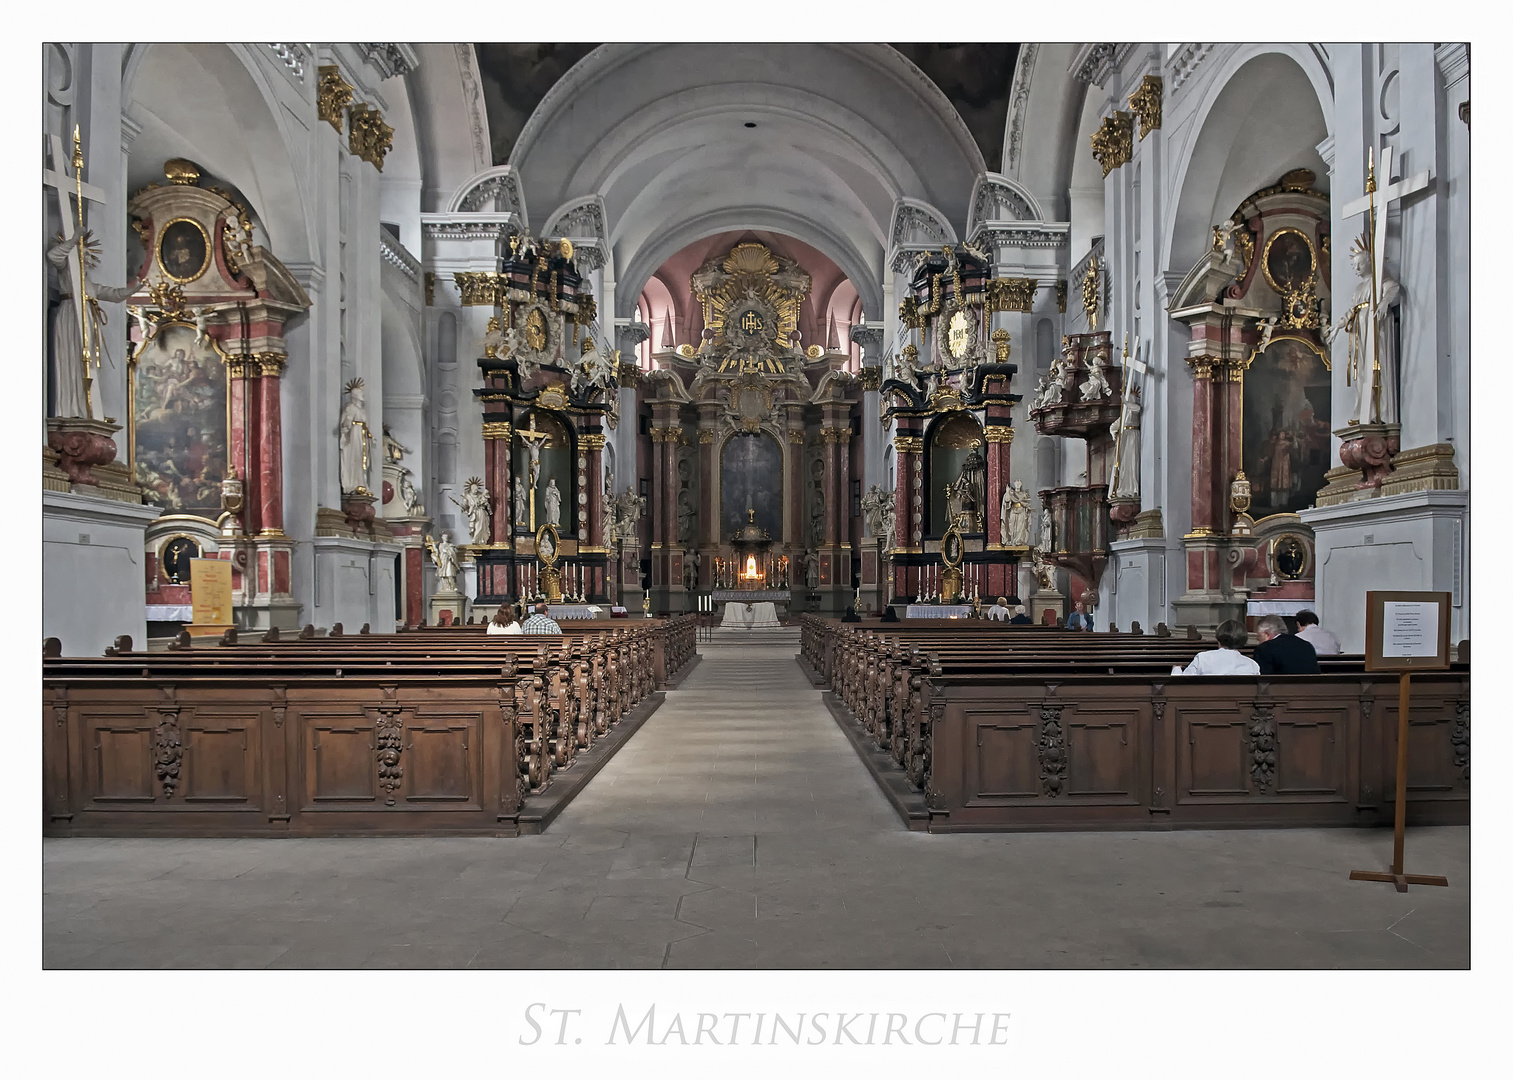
{"x":183,"y":250}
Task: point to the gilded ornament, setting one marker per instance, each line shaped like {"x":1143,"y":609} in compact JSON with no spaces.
{"x":1001,"y":345}
{"x":271,"y":363}
{"x":535,"y":330}
{"x":999,"y":433}
{"x":959,"y":334}
{"x":1146,"y":102}
{"x":181,"y":171}
{"x":706,"y":436}
{"x":1113,"y":142}
{"x":477,"y":288}
{"x":871,"y":376}
{"x":1061,"y":296}
{"x":430,"y":288}
{"x":332,"y":95}
{"x":565,"y":246}
{"x":796,"y":436}
{"x":370,"y":137}
{"x":493,"y":429}
{"x":909,"y":444}
{"x":1010,"y":294}
{"x":1202,"y":366}
{"x":591,"y":441}
{"x":1090,"y":293}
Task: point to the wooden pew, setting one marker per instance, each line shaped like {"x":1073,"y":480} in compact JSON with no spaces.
{"x":428,"y":732}
{"x":995,"y":730}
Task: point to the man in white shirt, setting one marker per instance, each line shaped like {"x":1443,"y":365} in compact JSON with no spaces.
{"x":1324,"y":643}
{"x":1000,"y":610}
{"x":1226,"y":659}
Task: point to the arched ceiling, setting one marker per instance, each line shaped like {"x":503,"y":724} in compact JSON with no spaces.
{"x":975,"y":76}
{"x":806,"y":140}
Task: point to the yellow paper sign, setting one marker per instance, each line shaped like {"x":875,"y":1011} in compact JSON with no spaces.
{"x":210,"y":587}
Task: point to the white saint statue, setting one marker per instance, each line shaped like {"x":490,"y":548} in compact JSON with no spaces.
{"x":1014,"y":515}
{"x":444,"y":553}
{"x":553,"y":501}
{"x":410,"y":496}
{"x":68,"y":345}
{"x":354,"y":438}
{"x":889,"y":510}
{"x":812,"y":569}
{"x":1045,"y":531}
{"x":1372,"y":405}
{"x":1125,"y":483}
{"x":475,"y":505}
{"x":522,"y":507}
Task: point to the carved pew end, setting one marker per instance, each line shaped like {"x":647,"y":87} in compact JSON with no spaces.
{"x":336,"y":630}
{"x":1192,"y":632}
{"x":1463,"y":651}
{"x":308,"y":632}
{"x":364,"y":629}
{"x":52,"y":647}
{"x":1162,"y":630}
{"x":1135,"y":628}
{"x":182,"y":641}
{"x":229,"y":637}
{"x":271,"y":636}
{"x":122,"y":646}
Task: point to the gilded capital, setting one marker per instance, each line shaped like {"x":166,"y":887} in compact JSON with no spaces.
{"x":370,"y":138}
{"x":477,"y":288}
{"x":1113,"y":142}
{"x":271,"y":363}
{"x":1146,"y":102}
{"x":592,"y":441}
{"x":796,"y":436}
{"x":871,"y":376}
{"x":1203,"y":366}
{"x":999,"y":433}
{"x":497,"y":430}
{"x":332,"y":95}
{"x":1009,"y":294}
{"x":706,"y":436}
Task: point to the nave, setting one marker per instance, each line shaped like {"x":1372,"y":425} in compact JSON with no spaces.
{"x":737,"y":828}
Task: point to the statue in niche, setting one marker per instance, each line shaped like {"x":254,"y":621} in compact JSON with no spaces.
{"x":607,"y":514}
{"x":410,"y":496}
{"x":691,"y":570}
{"x":685,"y":517}
{"x":475,"y":507}
{"x":811,"y":568}
{"x":553,"y":503}
{"x":354,"y":437}
{"x":68,"y":345}
{"x":1095,"y":387}
{"x":964,"y":496}
{"x":1045,"y":531}
{"x":1045,"y":573}
{"x":628,"y":510}
{"x":1126,"y":432}
{"x":1014,"y":516}
{"x":873,"y":504}
{"x":1374,"y":378}
{"x":522,"y":503}
{"x":393,"y":451}
{"x":444,"y":554}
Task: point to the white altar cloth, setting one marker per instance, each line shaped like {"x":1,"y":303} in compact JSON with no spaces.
{"x":763,"y":613}
{"x":937,"y":611}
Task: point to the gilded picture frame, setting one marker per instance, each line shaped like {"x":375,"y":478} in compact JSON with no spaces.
{"x":182,"y":243}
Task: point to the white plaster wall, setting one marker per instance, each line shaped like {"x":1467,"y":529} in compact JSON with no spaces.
{"x":94,"y":576}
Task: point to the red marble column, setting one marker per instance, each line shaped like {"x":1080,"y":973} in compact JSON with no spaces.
{"x":832,"y":479}
{"x":658,"y":495}
{"x":843,"y":506}
{"x":497,"y":442}
{"x":414,"y":579}
{"x":798,"y":538}
{"x":593,"y":443}
{"x":670,"y":489}
{"x":1233,"y":451}
{"x":709,"y":523}
{"x":243,"y":439}
{"x":270,"y":447}
{"x":1203,"y":443}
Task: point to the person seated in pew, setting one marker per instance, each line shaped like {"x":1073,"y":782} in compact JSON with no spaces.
{"x":506,"y":620}
{"x":851,"y":615}
{"x":1080,"y":618}
{"x":1020,"y":617}
{"x":1227,"y":658}
{"x":1281,"y":653}
{"x":540,"y":622}
{"x":890,"y":614}
{"x":1323,"y":641}
{"x":999,"y":611}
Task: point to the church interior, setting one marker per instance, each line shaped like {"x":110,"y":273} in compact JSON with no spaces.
{"x":764,"y":371}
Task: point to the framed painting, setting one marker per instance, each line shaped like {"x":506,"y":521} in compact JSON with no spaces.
{"x":178,"y":413}
{"x":183,"y":250}
{"x":1285,"y":434}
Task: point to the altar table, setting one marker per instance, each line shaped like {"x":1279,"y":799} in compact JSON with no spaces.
{"x":739,"y":614}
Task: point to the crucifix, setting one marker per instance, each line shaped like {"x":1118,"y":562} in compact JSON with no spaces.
{"x":534,"y":440}
{"x":71,"y":218}
{"x":1376,"y":251}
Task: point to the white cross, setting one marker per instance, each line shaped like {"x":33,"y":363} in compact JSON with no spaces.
{"x":1376,"y":226}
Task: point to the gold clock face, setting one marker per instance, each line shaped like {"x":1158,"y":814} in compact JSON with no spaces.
{"x":535,"y":330}
{"x":959,"y":334}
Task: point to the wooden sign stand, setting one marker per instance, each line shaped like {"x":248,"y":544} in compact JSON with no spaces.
{"x":1399,"y":638}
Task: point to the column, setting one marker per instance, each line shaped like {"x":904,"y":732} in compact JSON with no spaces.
{"x":1203,"y":467}
{"x":270,"y":470}
{"x":798,"y":539}
{"x":832,"y":478}
{"x":498,"y":440}
{"x":238,"y":442}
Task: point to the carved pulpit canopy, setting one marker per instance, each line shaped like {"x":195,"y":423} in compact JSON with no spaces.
{"x":751,"y":299}
{"x":197,"y":242}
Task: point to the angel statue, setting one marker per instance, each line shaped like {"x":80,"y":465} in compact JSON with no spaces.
{"x":354,"y":437}
{"x":393,"y":451}
{"x":444,"y":554}
{"x":1095,"y":387}
{"x":475,"y":505}
{"x":409,"y":495}
{"x":69,"y":372}
{"x":1045,"y":573}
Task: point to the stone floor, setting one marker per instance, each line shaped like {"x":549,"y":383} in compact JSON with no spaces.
{"x":738,"y":829}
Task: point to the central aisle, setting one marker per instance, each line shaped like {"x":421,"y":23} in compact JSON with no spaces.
{"x":738,"y":829}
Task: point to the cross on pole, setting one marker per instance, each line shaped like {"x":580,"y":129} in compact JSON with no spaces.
{"x":70,"y":214}
{"x":1376,"y":238}
{"x":530,"y":436}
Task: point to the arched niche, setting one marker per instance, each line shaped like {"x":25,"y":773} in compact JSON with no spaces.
{"x":555,"y":467}
{"x":751,"y":478}
{"x":952,"y":439}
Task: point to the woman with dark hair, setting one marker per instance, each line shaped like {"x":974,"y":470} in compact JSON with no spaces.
{"x":506,"y":620}
{"x":1227,"y":658}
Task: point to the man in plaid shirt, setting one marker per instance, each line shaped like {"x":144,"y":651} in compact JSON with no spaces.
{"x":540,"y":622}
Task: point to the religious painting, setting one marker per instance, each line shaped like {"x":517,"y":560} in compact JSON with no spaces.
{"x":751,"y":478}
{"x":1289,"y":261}
{"x":183,"y":250}
{"x":175,"y":558}
{"x":1285,"y":438}
{"x":957,"y":470}
{"x":179,"y":422}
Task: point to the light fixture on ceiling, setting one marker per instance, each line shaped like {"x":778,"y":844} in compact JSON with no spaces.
{"x":750,"y":124}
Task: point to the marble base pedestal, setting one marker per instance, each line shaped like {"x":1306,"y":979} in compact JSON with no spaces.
{"x":354,"y":583}
{"x":454,"y":602}
{"x":1134,"y":584}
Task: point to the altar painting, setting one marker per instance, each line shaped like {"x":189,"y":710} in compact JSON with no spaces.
{"x":751,"y":477}
{"x":179,"y":412}
{"x":1286,"y":434}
